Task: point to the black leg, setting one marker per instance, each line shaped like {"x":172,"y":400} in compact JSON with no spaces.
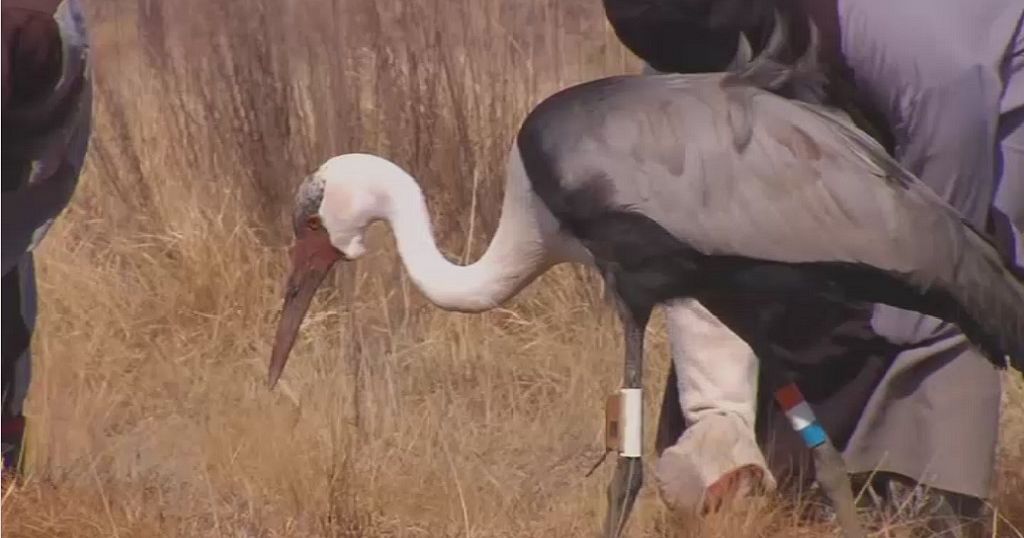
{"x":628,"y":477}
{"x":670,"y":421}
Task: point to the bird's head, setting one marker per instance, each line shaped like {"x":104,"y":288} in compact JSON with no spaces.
{"x":333,"y":208}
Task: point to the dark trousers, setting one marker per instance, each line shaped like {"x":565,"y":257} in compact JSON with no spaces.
{"x":16,"y":340}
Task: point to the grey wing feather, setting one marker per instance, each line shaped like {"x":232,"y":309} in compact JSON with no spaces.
{"x":807,"y":187}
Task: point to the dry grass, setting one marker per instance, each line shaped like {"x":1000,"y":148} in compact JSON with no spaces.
{"x":160,"y":285}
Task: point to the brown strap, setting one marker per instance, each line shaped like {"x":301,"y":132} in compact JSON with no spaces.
{"x":48,"y":7}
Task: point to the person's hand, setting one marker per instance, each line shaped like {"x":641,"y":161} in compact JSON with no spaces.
{"x":31,"y":54}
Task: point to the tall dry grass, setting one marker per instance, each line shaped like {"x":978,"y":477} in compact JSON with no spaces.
{"x":160,"y":285}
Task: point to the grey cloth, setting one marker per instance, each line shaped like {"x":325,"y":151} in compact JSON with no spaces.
{"x":951,"y":90}
{"x":949,"y":77}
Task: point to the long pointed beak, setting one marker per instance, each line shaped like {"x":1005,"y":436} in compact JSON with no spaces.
{"x":313,"y":255}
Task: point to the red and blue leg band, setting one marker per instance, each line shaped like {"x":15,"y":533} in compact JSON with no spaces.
{"x":800,"y":415}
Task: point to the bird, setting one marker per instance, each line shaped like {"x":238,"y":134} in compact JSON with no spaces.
{"x":674,"y":186}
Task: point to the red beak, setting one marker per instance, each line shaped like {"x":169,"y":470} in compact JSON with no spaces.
{"x":313,"y":255}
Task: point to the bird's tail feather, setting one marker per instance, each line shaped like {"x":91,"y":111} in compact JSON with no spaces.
{"x":991,"y":296}
{"x":775,"y":68}
{"x":986,"y":285}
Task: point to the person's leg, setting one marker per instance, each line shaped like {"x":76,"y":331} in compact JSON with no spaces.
{"x":19,"y":309}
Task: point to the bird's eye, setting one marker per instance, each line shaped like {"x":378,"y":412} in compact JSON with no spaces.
{"x":314,"y":224}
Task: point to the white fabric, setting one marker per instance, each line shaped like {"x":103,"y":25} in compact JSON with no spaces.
{"x":717,"y":382}
{"x":706,"y":451}
{"x":717,"y":371}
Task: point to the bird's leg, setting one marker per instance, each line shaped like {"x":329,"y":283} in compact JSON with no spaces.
{"x":829,"y":467}
{"x":628,"y":477}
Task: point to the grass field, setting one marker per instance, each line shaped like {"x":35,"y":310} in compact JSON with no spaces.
{"x":159,"y":288}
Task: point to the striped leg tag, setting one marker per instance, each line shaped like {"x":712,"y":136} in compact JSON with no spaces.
{"x":800,"y":415}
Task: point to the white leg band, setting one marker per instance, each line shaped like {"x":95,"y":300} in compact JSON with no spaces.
{"x":800,"y":416}
{"x":631,"y":419}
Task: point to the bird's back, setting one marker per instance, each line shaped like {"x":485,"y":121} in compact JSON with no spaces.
{"x":670,"y":147}
{"x":730,"y":170}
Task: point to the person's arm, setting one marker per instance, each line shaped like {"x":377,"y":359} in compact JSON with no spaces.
{"x":715,"y":389}
{"x":31,"y":49}
{"x":32,"y":66}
